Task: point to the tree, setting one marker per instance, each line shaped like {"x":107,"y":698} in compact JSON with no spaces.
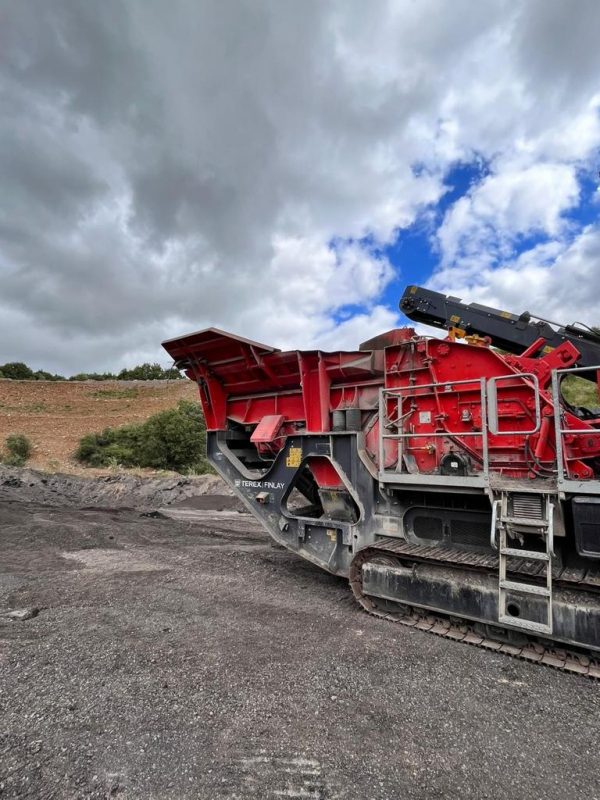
{"x":42,"y":375}
{"x":143,"y":372}
{"x":148,"y":372}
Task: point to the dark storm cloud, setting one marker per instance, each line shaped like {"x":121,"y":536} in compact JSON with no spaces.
{"x":167,"y":166}
{"x":81,"y":54}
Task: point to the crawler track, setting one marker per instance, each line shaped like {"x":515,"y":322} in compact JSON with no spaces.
{"x":536,"y":651}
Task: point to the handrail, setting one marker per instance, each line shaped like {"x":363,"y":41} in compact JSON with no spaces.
{"x":559,"y":431}
{"x":447,"y":386}
{"x":495,"y":506}
{"x":493,"y":404}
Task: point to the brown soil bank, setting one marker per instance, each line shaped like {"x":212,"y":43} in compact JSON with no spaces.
{"x":55,"y":415}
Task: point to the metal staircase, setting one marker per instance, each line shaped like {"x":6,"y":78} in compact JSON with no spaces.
{"x":515,"y":514}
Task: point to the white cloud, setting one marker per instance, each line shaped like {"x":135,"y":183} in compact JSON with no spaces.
{"x":557,"y":281}
{"x":347,"y":335}
{"x":513,"y":201}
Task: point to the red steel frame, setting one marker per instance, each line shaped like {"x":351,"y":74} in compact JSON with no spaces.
{"x":278,"y":393}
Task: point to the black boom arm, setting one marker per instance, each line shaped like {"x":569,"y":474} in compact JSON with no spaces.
{"x":505,"y":330}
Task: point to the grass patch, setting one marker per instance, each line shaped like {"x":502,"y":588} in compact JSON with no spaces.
{"x":114,"y":394}
{"x":172,"y":440}
{"x":579,"y":392}
{"x":27,"y":408}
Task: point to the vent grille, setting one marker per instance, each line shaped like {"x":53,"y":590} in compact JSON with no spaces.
{"x":468,"y":532}
{"x":528,"y":506}
{"x":462,"y":529}
{"x":428,"y":528}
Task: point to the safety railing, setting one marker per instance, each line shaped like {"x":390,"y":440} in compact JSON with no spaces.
{"x":558,"y":376}
{"x":393,"y":428}
{"x":401,"y":435}
{"x":492,"y":403}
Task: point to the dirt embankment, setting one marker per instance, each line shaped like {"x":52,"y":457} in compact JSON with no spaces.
{"x":116,"y":491}
{"x":55,"y":415}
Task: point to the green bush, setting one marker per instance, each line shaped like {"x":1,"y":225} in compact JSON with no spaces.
{"x":17,"y":371}
{"x":113,"y":444}
{"x":18,"y":450}
{"x":174,"y":439}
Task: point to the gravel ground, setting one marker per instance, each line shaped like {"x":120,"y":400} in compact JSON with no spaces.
{"x":188,"y":658}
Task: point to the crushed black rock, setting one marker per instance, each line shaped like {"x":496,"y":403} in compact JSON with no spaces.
{"x":115,"y":491}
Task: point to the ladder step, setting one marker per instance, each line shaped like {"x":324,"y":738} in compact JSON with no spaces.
{"x":528,"y":555}
{"x":525,"y":624}
{"x":526,"y":588}
{"x":526,"y":522}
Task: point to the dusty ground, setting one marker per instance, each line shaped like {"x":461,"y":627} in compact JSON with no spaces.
{"x":55,"y":415}
{"x":187,"y":658}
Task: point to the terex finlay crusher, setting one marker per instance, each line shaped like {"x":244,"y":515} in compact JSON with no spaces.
{"x":448,"y":479}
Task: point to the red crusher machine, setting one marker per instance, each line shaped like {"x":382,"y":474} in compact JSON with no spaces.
{"x":449,"y":479}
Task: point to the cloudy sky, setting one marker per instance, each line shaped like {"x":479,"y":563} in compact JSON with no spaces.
{"x":282,"y":169}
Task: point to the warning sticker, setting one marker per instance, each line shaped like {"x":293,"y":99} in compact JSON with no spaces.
{"x":294,"y":457}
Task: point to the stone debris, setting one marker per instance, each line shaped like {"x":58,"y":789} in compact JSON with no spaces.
{"x":22,"y":614}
